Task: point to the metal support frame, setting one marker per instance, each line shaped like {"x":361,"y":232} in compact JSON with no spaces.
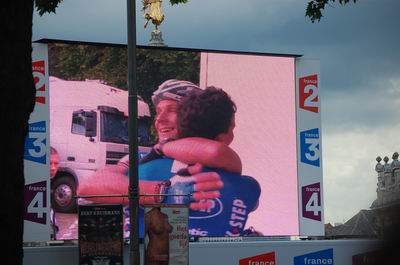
{"x":134,"y":255}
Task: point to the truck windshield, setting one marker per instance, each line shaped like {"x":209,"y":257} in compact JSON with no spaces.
{"x":114,"y":128}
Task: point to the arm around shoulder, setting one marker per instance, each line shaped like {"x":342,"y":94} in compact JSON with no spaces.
{"x":207,"y":152}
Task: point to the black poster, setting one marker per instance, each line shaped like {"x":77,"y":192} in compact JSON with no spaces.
{"x":100,"y":235}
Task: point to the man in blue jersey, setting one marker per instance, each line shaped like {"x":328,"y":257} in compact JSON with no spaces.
{"x":112,"y":179}
{"x":204,"y":122}
{"x":214,"y":211}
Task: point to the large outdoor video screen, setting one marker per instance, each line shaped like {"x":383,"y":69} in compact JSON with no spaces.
{"x":228,"y":137}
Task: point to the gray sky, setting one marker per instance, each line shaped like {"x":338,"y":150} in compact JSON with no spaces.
{"x":358,"y":46}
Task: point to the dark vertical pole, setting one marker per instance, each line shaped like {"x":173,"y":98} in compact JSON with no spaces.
{"x":134,"y":255}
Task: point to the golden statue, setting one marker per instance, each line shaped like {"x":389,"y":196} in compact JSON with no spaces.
{"x":152,"y":11}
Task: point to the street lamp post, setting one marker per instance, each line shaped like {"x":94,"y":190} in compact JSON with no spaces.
{"x":134,"y":254}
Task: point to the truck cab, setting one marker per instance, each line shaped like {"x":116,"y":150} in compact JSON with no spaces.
{"x":89,"y":129}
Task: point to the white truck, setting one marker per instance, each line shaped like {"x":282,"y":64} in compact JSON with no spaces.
{"x":88,"y":129}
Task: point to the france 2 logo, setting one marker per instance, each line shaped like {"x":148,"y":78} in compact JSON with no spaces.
{"x":267,"y":259}
{"x":39,"y":76}
{"x":310,"y":147}
{"x":35,"y":143}
{"x":309,"y":93}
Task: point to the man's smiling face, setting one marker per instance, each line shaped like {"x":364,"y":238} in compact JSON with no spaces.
{"x":166,"y":119}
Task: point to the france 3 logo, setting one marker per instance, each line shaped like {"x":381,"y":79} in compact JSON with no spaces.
{"x":319,"y":257}
{"x":310,"y":147}
{"x":309,"y":93}
{"x":39,"y":76}
{"x":311,"y":201}
{"x":35,"y":143}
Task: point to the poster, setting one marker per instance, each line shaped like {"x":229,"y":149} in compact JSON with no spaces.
{"x":166,"y":234}
{"x":100,"y":235}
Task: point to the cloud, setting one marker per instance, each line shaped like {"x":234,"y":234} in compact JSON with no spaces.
{"x":96,"y":21}
{"x":376,"y":106}
{"x":349,"y":168}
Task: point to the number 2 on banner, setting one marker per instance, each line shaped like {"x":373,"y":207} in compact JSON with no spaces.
{"x":311,"y":101}
{"x":308,"y":86}
{"x":39,"y":79}
{"x":313,"y":205}
{"x":37,"y":205}
{"x":39,"y":76}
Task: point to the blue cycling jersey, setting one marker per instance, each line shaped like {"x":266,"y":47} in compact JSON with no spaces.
{"x":228,"y":214}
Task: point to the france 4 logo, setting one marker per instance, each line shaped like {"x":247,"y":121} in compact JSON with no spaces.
{"x":309,"y":93}
{"x":39,"y":77}
{"x":310,"y":147}
{"x":35,"y":143}
{"x":35,"y":202}
{"x":319,"y":257}
{"x":311,"y":201}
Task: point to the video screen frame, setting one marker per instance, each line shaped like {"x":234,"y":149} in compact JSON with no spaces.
{"x":309,"y":174}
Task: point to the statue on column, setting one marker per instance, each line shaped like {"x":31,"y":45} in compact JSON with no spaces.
{"x":152,"y":11}
{"x":396,"y":174}
{"x":395,"y":162}
{"x":381,"y":183}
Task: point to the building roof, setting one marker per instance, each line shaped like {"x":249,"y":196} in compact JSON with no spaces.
{"x":360,"y":225}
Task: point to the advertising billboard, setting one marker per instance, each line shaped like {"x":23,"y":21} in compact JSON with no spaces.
{"x":100,"y":234}
{"x":36,"y":154}
{"x":240,"y":132}
{"x":166,"y":239}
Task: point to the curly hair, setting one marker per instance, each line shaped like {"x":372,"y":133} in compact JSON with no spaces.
{"x":205,"y":113}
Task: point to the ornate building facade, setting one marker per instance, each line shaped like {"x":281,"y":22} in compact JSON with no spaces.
{"x":387,"y":204}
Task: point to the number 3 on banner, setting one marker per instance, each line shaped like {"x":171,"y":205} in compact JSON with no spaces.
{"x":37,"y":205}
{"x":313,"y":205}
{"x":313,"y":153}
{"x":38,"y":143}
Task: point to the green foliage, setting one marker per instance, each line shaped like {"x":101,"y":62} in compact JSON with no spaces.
{"x":154,"y":66}
{"x":79,"y":62}
{"x":43,"y":6}
{"x":315,"y":7}
{"x":175,"y":2}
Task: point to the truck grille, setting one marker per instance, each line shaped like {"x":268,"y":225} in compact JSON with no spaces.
{"x":113,"y":157}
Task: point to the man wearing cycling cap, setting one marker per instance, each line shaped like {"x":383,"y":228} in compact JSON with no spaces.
{"x":207,"y":144}
{"x":166,"y":99}
{"x":203,"y":185}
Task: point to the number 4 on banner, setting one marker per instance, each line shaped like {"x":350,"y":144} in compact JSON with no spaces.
{"x":311,"y":202}
{"x":313,"y":205}
{"x":37,"y":205}
{"x":35,"y":201}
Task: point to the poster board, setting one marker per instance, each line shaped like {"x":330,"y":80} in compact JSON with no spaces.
{"x":166,"y":234}
{"x":100,"y":235}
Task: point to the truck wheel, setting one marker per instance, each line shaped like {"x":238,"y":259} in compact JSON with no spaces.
{"x":64,"y":192}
